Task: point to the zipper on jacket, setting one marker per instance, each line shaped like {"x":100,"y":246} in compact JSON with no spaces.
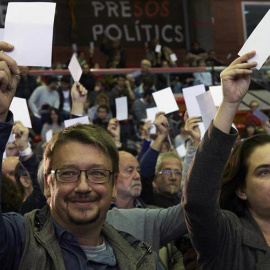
{"x":148,"y":251}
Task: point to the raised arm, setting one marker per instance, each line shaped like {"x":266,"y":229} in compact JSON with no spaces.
{"x":11,"y":242}
{"x":204,"y":219}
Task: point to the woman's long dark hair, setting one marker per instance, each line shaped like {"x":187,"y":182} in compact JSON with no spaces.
{"x":235,"y":172}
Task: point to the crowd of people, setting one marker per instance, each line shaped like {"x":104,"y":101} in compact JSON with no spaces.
{"x":111,"y":195}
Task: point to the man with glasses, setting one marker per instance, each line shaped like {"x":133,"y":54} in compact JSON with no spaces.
{"x":167,"y":182}
{"x":81,"y":169}
{"x":161,"y":172}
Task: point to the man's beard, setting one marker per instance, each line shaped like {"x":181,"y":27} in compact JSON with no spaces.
{"x":85,"y":220}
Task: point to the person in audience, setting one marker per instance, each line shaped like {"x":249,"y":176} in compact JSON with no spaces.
{"x":102,"y":117}
{"x":250,"y":117}
{"x":116,"y":54}
{"x":121,"y":89}
{"x":27,"y":83}
{"x":87,"y":79}
{"x":182,"y":136}
{"x":163,"y":171}
{"x":147,"y":84}
{"x":249,"y":130}
{"x":196,"y":56}
{"x":12,"y":149}
{"x":23,"y":180}
{"x":81,"y":168}
{"x":129,"y":182}
{"x":41,"y":100}
{"x":11,"y":198}
{"x":140,"y":105}
{"x":156,"y":58}
{"x":8,"y":167}
{"x":145,"y":73}
{"x":101,"y":99}
{"x":65,"y":97}
{"x":54,"y":123}
{"x":128,"y":191}
{"x":232,"y":217}
{"x":81,"y":58}
{"x":212,"y":59}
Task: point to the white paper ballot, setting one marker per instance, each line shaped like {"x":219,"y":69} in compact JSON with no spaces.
{"x":165,"y":100}
{"x":207,"y":108}
{"x":74,"y":121}
{"x":29,"y":27}
{"x":173,"y":57}
{"x":20,"y":111}
{"x":181,"y":150}
{"x":121,"y":108}
{"x":2,"y":31}
{"x":261,"y":115}
{"x":158,"y":48}
{"x":75,"y":68}
{"x":257,"y":41}
{"x":151,"y":116}
{"x":216,"y":92}
{"x":190,"y":94}
{"x":49,"y":135}
{"x":92,"y":47}
{"x":202,"y":129}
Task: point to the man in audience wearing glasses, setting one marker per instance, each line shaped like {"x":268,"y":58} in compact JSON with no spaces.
{"x":81,"y":170}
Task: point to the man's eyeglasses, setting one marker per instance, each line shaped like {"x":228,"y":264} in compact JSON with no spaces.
{"x":96,"y":176}
{"x":169,"y":172}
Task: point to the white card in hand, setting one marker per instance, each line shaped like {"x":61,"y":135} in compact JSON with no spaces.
{"x":49,"y":135}
{"x":216,"y":92}
{"x":20,"y":111}
{"x":29,"y":27}
{"x":258,"y":41}
{"x":165,"y":100}
{"x":158,"y":48}
{"x":207,"y":108}
{"x":74,"y":121}
{"x":190,"y":94}
{"x":75,"y":68}
{"x":2,"y":32}
{"x":173,"y":57}
{"x":151,"y":116}
{"x":181,"y":150}
{"x":121,"y":108}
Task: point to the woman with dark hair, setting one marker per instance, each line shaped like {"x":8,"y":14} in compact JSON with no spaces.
{"x":54,"y":123}
{"x":229,"y":223}
{"x":237,"y":173}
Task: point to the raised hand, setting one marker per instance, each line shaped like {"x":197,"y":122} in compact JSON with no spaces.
{"x":9,"y":76}
{"x":192,"y":128}
{"x":235,"y":79}
{"x":21,"y":135}
{"x":162,"y":124}
{"x":78,"y":96}
{"x":114,"y":129}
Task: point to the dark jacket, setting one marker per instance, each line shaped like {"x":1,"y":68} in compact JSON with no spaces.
{"x":42,"y":247}
{"x":222,"y":239}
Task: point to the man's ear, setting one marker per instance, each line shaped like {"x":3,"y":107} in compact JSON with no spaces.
{"x":241,"y":193}
{"x":47,"y":190}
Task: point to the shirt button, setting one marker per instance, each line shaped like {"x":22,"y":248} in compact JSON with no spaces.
{"x":69,"y":237}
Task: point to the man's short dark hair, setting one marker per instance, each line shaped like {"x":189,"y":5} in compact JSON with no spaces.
{"x":51,"y":79}
{"x":103,"y":106}
{"x":65,"y":79}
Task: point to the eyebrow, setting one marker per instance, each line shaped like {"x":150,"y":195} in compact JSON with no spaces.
{"x":91,"y":166}
{"x":262,"y":166}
